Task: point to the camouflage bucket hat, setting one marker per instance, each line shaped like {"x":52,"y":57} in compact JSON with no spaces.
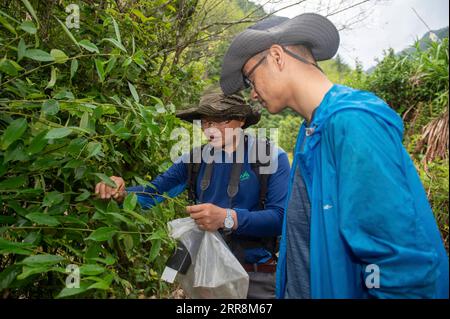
{"x":216,"y":105}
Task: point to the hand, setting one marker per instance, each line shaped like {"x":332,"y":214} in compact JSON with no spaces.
{"x":209,"y":217}
{"x":104,"y":191}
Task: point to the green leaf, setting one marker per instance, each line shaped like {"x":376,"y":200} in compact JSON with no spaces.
{"x":56,"y":133}
{"x":130,"y":201}
{"x":9,"y":67}
{"x":68,"y":292}
{"x":9,"y":17}
{"x":7,"y":25}
{"x":42,"y":260}
{"x":74,"y":163}
{"x":59,"y":56}
{"x":94,"y":149}
{"x":53,"y":77}
{"x":17,"y":208}
{"x":116,"y":29}
{"x":83,"y":196}
{"x":84,"y":122}
{"x":139,"y":217}
{"x":102,"y":234}
{"x":154,"y":251}
{"x":50,"y":107}
{"x":52,"y":198}
{"x":39,"y":55}
{"x":69,"y":34}
{"x":71,"y":220}
{"x":13,"y":183}
{"x":8,"y":275}
{"x":21,"y":50}
{"x":128,"y":241}
{"x":43,"y":219}
{"x":28,"y":26}
{"x":127,"y":62}
{"x":115,"y":43}
{"x":88,"y":45}
{"x":64,"y":94}
{"x":9,"y":247}
{"x":38,"y":143}
{"x":111,"y":64}
{"x":73,"y":68}
{"x":105,"y":179}
{"x":30,"y":9}
{"x":91,"y":270}
{"x":13,"y":132}
{"x":28,"y":271}
{"x":109,"y":260}
{"x":100,"y":70}
{"x":103,"y":285}
{"x":121,"y":218}
{"x":171,"y":8}
{"x":133,"y":92}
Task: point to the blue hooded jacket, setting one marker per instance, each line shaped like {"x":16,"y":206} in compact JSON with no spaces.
{"x":368,"y":206}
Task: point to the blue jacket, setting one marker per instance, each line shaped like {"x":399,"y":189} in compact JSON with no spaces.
{"x":368,"y":205}
{"x":251,"y":221}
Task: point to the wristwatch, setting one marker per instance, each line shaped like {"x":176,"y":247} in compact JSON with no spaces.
{"x":229,"y":221}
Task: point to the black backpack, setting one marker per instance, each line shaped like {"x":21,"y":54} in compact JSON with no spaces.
{"x":237,"y":245}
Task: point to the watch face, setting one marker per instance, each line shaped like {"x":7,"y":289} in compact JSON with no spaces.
{"x":229,"y":223}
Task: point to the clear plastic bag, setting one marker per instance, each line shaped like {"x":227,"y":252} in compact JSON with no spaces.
{"x":214,"y":272}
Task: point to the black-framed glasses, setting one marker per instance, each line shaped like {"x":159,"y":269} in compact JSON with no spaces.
{"x":207,"y":123}
{"x":248,"y":83}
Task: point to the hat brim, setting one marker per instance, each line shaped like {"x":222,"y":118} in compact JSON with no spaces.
{"x":313,"y":30}
{"x":196,"y":113}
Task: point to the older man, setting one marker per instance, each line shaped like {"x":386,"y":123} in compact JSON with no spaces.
{"x":230,"y":188}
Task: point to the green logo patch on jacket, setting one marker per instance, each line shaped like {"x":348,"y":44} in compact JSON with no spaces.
{"x":244,"y":176}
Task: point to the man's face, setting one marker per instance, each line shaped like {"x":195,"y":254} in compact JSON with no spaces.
{"x":219,"y":132}
{"x":264,"y":80}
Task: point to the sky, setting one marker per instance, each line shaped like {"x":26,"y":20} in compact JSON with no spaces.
{"x":390,"y":24}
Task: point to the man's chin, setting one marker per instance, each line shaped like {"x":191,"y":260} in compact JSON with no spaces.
{"x":273,"y":109}
{"x":216,"y":143}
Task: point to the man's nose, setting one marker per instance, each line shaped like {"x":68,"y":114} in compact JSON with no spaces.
{"x":254,"y":95}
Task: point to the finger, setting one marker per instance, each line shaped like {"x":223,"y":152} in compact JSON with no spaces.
{"x":109,"y":192}
{"x":195,"y":208}
{"x":103,"y":191}
{"x":119,"y":183}
{"x":97,"y":188}
{"x":197,"y":216}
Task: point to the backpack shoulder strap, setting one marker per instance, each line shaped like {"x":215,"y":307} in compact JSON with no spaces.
{"x":193,"y":169}
{"x":256,"y":166}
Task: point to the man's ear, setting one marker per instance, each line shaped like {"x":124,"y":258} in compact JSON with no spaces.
{"x":278,"y":55}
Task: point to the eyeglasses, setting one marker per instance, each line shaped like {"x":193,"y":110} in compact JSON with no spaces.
{"x":247,"y":82}
{"x":213,"y":123}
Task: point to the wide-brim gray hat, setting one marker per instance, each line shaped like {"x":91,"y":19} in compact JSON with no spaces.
{"x":216,"y":105}
{"x":312,"y":30}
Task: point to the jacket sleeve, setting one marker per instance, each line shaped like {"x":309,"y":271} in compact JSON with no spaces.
{"x":172,"y":182}
{"x":377,"y":215}
{"x":268,"y":222}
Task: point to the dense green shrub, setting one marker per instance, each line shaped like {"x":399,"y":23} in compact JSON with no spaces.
{"x":72,"y":112}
